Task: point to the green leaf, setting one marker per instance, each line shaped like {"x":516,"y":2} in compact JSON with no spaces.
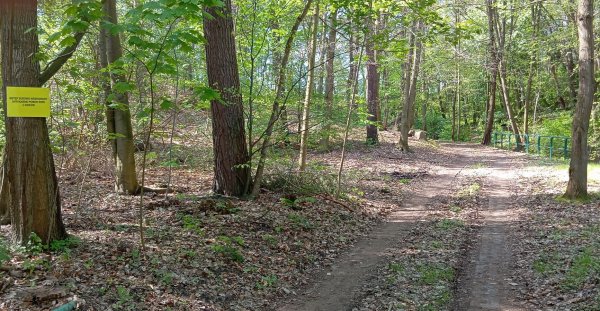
{"x":166,"y":104}
{"x":208,"y":94}
{"x":122,"y":87}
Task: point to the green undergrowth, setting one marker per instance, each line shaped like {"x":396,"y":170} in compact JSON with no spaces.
{"x":568,"y":255}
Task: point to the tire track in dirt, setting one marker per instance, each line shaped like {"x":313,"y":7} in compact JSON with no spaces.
{"x":338,"y":286}
{"x":484,"y":282}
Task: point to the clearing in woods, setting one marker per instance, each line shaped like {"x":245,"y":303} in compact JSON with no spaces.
{"x":481,"y":280}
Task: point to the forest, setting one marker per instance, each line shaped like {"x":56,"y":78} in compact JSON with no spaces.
{"x":299,"y":155}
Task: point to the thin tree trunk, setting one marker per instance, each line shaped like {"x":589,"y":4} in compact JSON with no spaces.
{"x":277,"y":109}
{"x":412,"y":74}
{"x":424,"y":106}
{"x":372,"y":85}
{"x":329,"y":80}
{"x":304,"y":122}
{"x":506,"y":98}
{"x":532,"y":67}
{"x":118,"y":114}
{"x":561,"y":101}
{"x":385,"y":80}
{"x":33,"y":197}
{"x":493,"y":68}
{"x":502,"y":73}
{"x":577,"y":186}
{"x":352,"y":66}
{"x":4,"y":208}
{"x":404,"y":123}
{"x":229,"y":139}
{"x":323,"y":48}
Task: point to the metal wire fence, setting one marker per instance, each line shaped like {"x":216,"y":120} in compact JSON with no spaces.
{"x":543,"y":145}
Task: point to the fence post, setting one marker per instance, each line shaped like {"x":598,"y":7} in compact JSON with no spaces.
{"x":551,"y":146}
{"x":502,"y":140}
{"x":509,"y":137}
{"x":495,"y":139}
{"x":539,"y":144}
{"x":526,"y":136}
{"x":565,"y":148}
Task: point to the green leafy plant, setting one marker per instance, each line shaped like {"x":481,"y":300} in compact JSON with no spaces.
{"x":5,"y":254}
{"x":125,"y":298}
{"x":269,"y":239}
{"x":64,"y":246}
{"x":585,"y":266}
{"x":300,"y":221}
{"x":192,"y":224}
{"x":31,"y":265}
{"x":267,"y":281}
{"x":229,"y":247}
{"x":396,"y":267}
{"x":34,"y":244}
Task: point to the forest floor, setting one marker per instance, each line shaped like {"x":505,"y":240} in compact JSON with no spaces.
{"x":446,"y":227}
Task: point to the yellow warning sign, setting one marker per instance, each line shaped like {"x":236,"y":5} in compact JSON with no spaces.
{"x":28,"y":102}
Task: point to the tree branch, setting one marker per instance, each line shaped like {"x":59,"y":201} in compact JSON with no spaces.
{"x":54,"y":66}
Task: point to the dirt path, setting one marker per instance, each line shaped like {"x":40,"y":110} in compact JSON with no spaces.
{"x":484,"y":283}
{"x":483,"y":278}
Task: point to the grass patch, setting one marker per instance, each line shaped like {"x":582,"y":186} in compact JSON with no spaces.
{"x":478,"y":165}
{"x":431,"y":274}
{"x":469,"y":190}
{"x":450,"y":224}
{"x":585,"y":266}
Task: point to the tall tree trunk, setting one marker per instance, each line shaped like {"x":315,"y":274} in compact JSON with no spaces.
{"x":329,"y":80}
{"x":577,"y":186}
{"x":414,"y":80}
{"x":352,"y":66}
{"x":532,"y":67}
{"x":506,"y":98}
{"x":118,"y":115}
{"x":323,"y":48}
{"x":229,"y":139}
{"x":412,"y":72}
{"x":372,"y":85}
{"x":561,"y":100}
{"x":493,"y":68}
{"x":424,"y":104}
{"x":502,"y":73}
{"x":385,"y":80}
{"x":304,"y":122}
{"x":33,"y":195}
{"x":404,"y":124}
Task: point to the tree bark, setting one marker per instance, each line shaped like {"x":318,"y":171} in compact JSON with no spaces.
{"x":229,"y":139}
{"x":372,"y":85}
{"x":118,"y":115}
{"x":329,"y":80}
{"x":577,"y":186}
{"x":33,"y":195}
{"x":304,"y":122}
